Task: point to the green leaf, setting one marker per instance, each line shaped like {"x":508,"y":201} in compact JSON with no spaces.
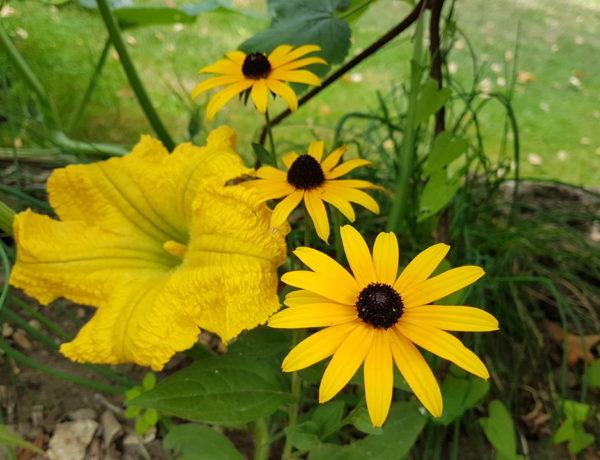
{"x":572,"y":429}
{"x":304,"y":22}
{"x":362,"y":422}
{"x":437,"y":193}
{"x":132,"y":411}
{"x":328,"y":417}
{"x":263,"y":156}
{"x":593,"y":374}
{"x":500,"y":431}
{"x":565,"y":432}
{"x":149,"y":381}
{"x":430,"y":100}
{"x":219,"y":390}
{"x":580,"y":441}
{"x":355,"y":9}
{"x":9,"y":438}
{"x":446,"y":148}
{"x":304,"y":435}
{"x":399,"y":433}
{"x":460,"y":391}
{"x":579,"y":412}
{"x":197,"y":442}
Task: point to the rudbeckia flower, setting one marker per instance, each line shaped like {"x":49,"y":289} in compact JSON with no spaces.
{"x":158,"y":245}
{"x":259,"y":74}
{"x":315,"y":181}
{"x":375,"y":317}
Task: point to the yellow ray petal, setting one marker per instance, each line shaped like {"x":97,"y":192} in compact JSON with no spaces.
{"x":302,"y":297}
{"x":302,"y":63}
{"x":289,"y":159}
{"x":285,"y":207}
{"x":379,"y":378}
{"x":441,"y":285}
{"x":283,"y":90}
{"x":269,"y":190}
{"x":355,"y":183}
{"x":346,"y":361}
{"x":315,"y":150}
{"x":317,"y":347}
{"x":421,"y":266}
{"x":444,"y":345}
{"x":324,"y":265}
{"x":333,"y":159}
{"x":277,"y":55}
{"x":318,"y":213}
{"x":223,"y":66}
{"x":358,"y":255}
{"x":339,"y":203}
{"x":385,"y":258}
{"x":353,"y":196}
{"x":291,"y":54}
{"x":269,"y":172}
{"x":451,"y":318}
{"x":346,"y":167}
{"x":313,"y":315}
{"x":224,"y":96}
{"x":321,"y":285}
{"x":260,"y":95}
{"x":213,"y":83}
{"x":416,"y":372}
{"x":296,"y":76}
{"x":237,"y":56}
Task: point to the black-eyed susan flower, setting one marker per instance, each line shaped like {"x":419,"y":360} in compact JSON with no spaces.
{"x":375,"y":317}
{"x":158,"y":245}
{"x":260,"y":74}
{"x":315,"y":180}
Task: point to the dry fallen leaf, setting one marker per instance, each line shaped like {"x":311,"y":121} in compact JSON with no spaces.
{"x":525,"y":77}
{"x":537,"y":419}
{"x":578,"y":347}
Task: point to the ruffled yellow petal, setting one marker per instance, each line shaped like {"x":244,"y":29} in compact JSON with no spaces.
{"x":333,"y":159}
{"x":421,"y":266}
{"x":289,"y":159}
{"x":320,"y":285}
{"x":313,"y":315}
{"x":327,"y":267}
{"x":451,"y":318}
{"x":379,"y":378}
{"x":339,"y":203}
{"x":441,"y":285}
{"x":217,"y":102}
{"x":416,"y":372}
{"x":359,"y":257}
{"x":260,"y":95}
{"x":346,"y":167}
{"x":385,"y":258}
{"x":353,"y":196}
{"x":444,"y":345}
{"x":346,"y":361}
{"x":318,"y":213}
{"x":213,"y":83}
{"x":296,"y":76}
{"x":317,"y":347}
{"x":283,"y":90}
{"x":285,"y":207}
{"x":315,"y":150}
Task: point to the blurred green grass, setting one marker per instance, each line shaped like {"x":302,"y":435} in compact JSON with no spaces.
{"x":558,"y":107}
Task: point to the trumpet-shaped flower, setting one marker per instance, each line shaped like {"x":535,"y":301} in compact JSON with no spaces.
{"x":158,"y":245}
{"x":375,"y":317}
{"x":315,"y":180}
{"x":260,"y":75}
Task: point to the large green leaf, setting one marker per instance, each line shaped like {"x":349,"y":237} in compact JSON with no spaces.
{"x":461,"y":391}
{"x":9,"y":438}
{"x":399,"y":433}
{"x":572,"y":429}
{"x":500,"y":431}
{"x":223,"y":389}
{"x":302,"y":22}
{"x":262,"y":343}
{"x":197,"y":442}
{"x":437,"y":193}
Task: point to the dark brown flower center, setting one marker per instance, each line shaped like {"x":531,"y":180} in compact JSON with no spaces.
{"x":305,"y":173}
{"x":256,"y":66}
{"x":379,"y":305}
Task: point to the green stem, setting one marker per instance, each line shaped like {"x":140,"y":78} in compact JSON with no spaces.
{"x":17,"y":356}
{"x":132,"y":75}
{"x":407,"y":152}
{"x":7,"y":215}
{"x":30,"y":78}
{"x":90,"y":88}
{"x":296,"y":385}
{"x":260,"y":429}
{"x":101,"y":149}
{"x":41,"y":318}
{"x":271,"y":140}
{"x":336,"y":218}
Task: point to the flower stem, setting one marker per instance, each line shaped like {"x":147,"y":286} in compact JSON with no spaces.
{"x":262,"y":441}
{"x":271,"y":141}
{"x":7,"y":216}
{"x":296,"y":385}
{"x":136,"y":84}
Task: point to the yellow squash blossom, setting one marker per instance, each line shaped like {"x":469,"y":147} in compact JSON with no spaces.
{"x":158,"y":245}
{"x":261,"y":75}
{"x":315,"y":180}
{"x":375,"y":317}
